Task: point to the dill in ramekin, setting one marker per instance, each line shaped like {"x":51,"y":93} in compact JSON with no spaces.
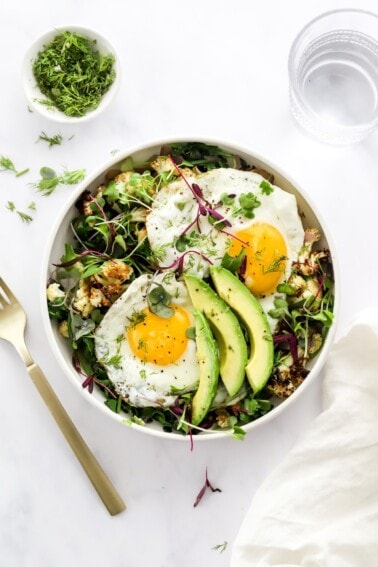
{"x":72,"y":73}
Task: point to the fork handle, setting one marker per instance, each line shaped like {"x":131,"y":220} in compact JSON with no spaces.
{"x":96,"y":474}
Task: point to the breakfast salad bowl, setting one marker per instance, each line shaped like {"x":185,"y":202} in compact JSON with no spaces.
{"x":189,"y":289}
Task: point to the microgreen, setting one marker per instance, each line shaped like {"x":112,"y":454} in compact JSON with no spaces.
{"x":158,"y":302}
{"x":248,"y":203}
{"x":233,"y":263}
{"x":6,"y":164}
{"x":238,"y":433}
{"x":50,"y":179}
{"x":190,"y":333}
{"x":51,"y":140}
{"x":72,"y":74}
{"x":203,"y":490}
{"x":266,"y":187}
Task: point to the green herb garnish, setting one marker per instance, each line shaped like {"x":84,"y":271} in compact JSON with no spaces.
{"x":266,"y":188}
{"x":51,"y":140}
{"x":73,"y":74}
{"x":25,"y":217}
{"x":158,"y":302}
{"x":233,"y":263}
{"x":7,"y":164}
{"x":248,"y":202}
{"x":50,"y":180}
{"x":221,"y":547}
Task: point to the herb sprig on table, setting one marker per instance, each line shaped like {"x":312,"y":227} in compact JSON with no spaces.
{"x":6,"y":164}
{"x":50,"y":179}
{"x":73,"y":74}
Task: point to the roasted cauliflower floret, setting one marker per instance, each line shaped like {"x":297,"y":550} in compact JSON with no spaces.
{"x":85,"y":203}
{"x":161,"y":164}
{"x":139,"y":214}
{"x":308,"y":259}
{"x":286,"y":378}
{"x":307,"y":289}
{"x":113,"y":272}
{"x":63,"y":328}
{"x":123,"y":177}
{"x":54,"y":291}
{"x":88,"y":298}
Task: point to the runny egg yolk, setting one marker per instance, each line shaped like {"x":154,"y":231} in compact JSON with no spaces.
{"x":158,"y":340}
{"x":266,"y":256}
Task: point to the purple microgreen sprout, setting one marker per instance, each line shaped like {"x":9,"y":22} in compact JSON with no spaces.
{"x":179,"y":262}
{"x":291,"y":340}
{"x":203,"y":490}
{"x":90,"y":379}
{"x":79,"y":256}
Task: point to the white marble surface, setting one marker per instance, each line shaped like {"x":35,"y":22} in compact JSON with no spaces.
{"x":189,"y":68}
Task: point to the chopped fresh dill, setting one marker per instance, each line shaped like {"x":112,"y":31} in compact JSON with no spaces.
{"x":23,"y":216}
{"x":51,"y":140}
{"x":6,"y":164}
{"x":73,"y":74}
{"x":221,"y":547}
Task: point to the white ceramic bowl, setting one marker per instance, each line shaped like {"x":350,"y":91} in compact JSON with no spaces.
{"x":34,"y":94}
{"x":61,"y":234}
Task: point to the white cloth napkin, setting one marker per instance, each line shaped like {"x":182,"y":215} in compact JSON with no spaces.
{"x":319,"y":508}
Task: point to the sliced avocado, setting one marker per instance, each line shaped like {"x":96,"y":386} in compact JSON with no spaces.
{"x":228,"y":333}
{"x":252,"y":316}
{"x":207,"y":356}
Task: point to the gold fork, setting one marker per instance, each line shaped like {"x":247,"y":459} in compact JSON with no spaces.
{"x":12,"y":328}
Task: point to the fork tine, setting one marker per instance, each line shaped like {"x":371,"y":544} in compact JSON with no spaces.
{"x":7,"y":292}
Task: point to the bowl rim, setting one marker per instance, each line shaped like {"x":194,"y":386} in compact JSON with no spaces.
{"x":68,"y":371}
{"x":29,"y":84}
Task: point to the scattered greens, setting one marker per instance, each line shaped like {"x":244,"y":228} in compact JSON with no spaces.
{"x":73,"y":74}
{"x":51,"y":140}
{"x":25,"y":217}
{"x":50,"y":179}
{"x":7,"y":164}
{"x":221,"y":547}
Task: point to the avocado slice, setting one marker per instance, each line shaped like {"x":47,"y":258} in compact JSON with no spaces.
{"x":207,"y":356}
{"x":253,"y":318}
{"x":233,"y":353}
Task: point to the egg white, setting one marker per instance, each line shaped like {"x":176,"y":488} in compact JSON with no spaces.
{"x":175,"y":208}
{"x":143,"y":383}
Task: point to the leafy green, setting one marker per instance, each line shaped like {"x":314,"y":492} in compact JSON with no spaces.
{"x":233,"y":263}
{"x":204,"y":156}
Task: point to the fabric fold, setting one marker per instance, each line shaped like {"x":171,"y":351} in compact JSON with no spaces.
{"x":319,"y":508}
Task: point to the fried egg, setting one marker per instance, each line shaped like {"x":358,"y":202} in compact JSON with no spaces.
{"x":148,"y":358}
{"x":179,"y":231}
